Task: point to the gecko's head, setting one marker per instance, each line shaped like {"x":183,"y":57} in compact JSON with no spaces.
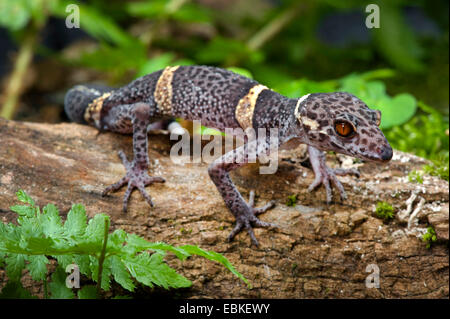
{"x":78,"y":99}
{"x":342,"y":123}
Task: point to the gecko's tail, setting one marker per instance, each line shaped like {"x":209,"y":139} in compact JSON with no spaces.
{"x":79,"y":97}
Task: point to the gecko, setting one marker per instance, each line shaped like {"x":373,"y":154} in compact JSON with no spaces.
{"x":220,"y":98}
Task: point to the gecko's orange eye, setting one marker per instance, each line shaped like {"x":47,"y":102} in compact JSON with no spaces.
{"x":344,"y":129}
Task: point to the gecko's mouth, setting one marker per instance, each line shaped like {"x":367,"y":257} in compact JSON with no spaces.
{"x":384,"y":155}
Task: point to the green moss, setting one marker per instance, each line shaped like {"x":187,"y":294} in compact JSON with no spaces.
{"x":415,"y":177}
{"x":429,"y":237}
{"x":292,"y":200}
{"x":185,"y":231}
{"x":384,"y":211}
{"x":438,"y":168}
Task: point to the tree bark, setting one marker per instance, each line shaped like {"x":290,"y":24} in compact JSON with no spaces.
{"x":320,"y":250}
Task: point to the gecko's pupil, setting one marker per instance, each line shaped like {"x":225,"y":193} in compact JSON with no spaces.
{"x":344,"y":129}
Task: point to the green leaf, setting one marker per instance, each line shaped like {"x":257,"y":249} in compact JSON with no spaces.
{"x":22,"y":210}
{"x":75,"y":224}
{"x":155,"y":64}
{"x":64,"y":260}
{"x":96,"y":228}
{"x":51,"y":221}
{"x":136,"y":243}
{"x":396,"y":41}
{"x":146,"y":9}
{"x":15,"y":15}
{"x":106,"y":273}
{"x":58,"y":288}
{"x":15,"y":290}
{"x":397,"y":110}
{"x":24,"y":197}
{"x":219,"y":49}
{"x":83,"y":262}
{"x":212,"y":255}
{"x":117,"y":59}
{"x":88,"y":292}
{"x":120,"y":273}
{"x":152,"y":270}
{"x":37,"y":267}
{"x":15,"y":263}
{"x":95,"y":23}
{"x":298,"y":88}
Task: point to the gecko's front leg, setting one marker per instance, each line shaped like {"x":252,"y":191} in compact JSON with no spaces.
{"x":245,"y":213}
{"x":324,"y":174}
{"x":136,"y":170}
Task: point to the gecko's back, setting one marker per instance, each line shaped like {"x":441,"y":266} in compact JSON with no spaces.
{"x":219,"y":98}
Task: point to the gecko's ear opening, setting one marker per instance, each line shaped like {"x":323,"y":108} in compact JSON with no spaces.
{"x":79,"y":97}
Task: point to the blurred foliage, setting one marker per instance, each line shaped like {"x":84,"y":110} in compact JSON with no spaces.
{"x":278,"y":44}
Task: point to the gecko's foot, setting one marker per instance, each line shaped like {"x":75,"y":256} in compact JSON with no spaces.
{"x":247,"y":219}
{"x":325,"y":175}
{"x":136,"y":177}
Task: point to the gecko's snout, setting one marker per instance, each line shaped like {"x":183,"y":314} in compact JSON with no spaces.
{"x":386,"y":153}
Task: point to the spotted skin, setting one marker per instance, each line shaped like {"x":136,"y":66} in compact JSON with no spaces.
{"x":223,"y":99}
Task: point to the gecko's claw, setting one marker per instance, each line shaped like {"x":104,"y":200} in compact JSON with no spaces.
{"x":325,"y":175}
{"x":136,"y":178}
{"x":247,"y":219}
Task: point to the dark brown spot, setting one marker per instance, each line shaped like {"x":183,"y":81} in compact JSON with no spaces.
{"x":323,"y":123}
{"x":311,"y":115}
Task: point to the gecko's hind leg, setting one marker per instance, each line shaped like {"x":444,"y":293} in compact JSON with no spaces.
{"x":136,"y":170}
{"x":324,"y":174}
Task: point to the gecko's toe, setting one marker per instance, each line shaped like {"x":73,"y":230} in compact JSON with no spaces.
{"x":235,"y":230}
{"x":347,"y":171}
{"x":115,"y":186}
{"x":124,"y":159}
{"x":258,"y":210}
{"x":264,"y":208}
{"x":154,"y":179}
{"x":147,"y":197}
{"x":251,"y":234}
{"x":126,"y":197}
{"x":260,"y":223}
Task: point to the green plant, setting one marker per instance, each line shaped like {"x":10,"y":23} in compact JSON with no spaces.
{"x":438,"y":168}
{"x":429,"y":237}
{"x":415,"y":177}
{"x":384,"y":211}
{"x":100,"y":255}
{"x":292,"y":200}
{"x":424,"y":135}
